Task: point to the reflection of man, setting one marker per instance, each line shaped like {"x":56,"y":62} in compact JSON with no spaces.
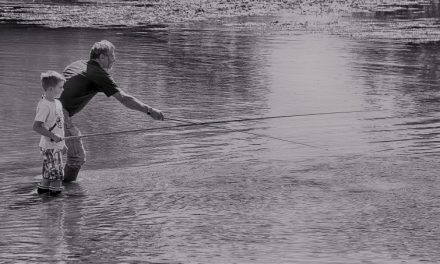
{"x":84,"y":79}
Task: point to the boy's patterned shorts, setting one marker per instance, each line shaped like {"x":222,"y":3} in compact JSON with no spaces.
{"x":52,"y":164}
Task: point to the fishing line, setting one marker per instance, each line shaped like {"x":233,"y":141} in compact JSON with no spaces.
{"x":245,"y":132}
{"x":189,"y":124}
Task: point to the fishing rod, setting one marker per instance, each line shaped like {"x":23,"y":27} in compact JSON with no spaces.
{"x":277,"y":117}
{"x":189,"y":124}
{"x":125,"y":131}
{"x":245,"y":132}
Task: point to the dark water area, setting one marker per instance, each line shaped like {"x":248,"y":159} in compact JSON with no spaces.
{"x":366,"y":190}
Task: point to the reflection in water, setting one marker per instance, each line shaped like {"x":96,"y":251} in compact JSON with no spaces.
{"x":44,"y":220}
{"x":408,"y":84}
{"x":206,"y":195}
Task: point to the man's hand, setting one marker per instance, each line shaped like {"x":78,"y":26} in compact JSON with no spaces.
{"x":131,"y":102}
{"x":155,"y":114}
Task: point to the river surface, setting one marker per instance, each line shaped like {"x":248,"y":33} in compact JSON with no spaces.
{"x":357,"y":187}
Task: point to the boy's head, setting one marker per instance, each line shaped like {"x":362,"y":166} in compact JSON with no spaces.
{"x":104,"y":53}
{"x":51,"y":79}
{"x":52,"y":83}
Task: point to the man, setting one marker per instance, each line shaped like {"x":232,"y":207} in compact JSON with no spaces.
{"x":84,"y":79}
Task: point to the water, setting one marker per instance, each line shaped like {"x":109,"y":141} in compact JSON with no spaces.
{"x":212,"y":195}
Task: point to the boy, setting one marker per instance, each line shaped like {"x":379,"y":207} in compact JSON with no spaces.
{"x":49,"y":122}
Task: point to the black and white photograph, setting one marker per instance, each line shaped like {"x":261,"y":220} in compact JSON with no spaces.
{"x":220,"y":131}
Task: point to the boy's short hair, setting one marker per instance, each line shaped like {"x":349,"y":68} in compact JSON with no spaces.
{"x":101,"y":47}
{"x":51,"y":79}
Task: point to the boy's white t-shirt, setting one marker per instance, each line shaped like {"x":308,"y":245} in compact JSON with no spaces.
{"x":51,"y":113}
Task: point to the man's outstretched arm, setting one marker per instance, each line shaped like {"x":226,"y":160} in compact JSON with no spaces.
{"x":132,"y":102}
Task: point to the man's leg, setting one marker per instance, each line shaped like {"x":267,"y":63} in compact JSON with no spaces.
{"x":76,"y":155}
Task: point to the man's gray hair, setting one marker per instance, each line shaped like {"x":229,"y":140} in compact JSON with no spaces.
{"x":101,"y":47}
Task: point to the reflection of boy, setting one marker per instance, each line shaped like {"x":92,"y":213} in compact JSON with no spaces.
{"x":49,"y":123}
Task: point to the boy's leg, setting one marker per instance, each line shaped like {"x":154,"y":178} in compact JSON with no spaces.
{"x":57,"y":173}
{"x":44,"y":185}
{"x":76,"y":155}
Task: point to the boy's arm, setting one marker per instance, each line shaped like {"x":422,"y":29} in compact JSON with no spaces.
{"x":40,"y":129}
{"x":132,"y":102}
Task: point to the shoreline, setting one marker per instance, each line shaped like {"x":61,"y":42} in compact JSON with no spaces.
{"x":154,"y":14}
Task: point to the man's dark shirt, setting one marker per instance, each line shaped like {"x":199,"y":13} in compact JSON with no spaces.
{"x":84,"y":79}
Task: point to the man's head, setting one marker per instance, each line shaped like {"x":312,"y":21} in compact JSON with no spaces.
{"x":52,"y":82}
{"x":104,"y":53}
